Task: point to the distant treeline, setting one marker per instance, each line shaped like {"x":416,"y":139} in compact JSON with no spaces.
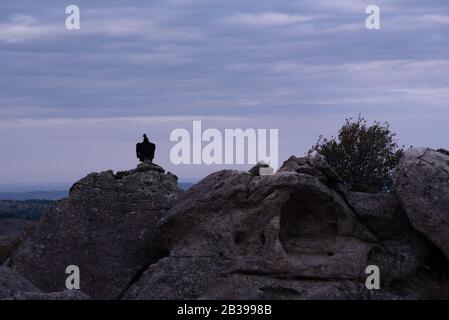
{"x":38,"y":195}
{"x":28,"y":209}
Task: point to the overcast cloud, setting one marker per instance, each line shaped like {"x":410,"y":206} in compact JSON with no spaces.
{"x":72,"y":102}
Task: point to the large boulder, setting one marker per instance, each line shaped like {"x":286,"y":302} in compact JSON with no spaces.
{"x":382,"y":213}
{"x":12,"y":232}
{"x":106,"y":227}
{"x":421,"y":181}
{"x":404,"y":251}
{"x":291,"y":235}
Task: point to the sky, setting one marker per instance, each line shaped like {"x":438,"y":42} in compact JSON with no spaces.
{"x":75,"y":102}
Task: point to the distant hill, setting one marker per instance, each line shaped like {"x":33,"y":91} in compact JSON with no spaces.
{"x":34,"y":195}
{"x":53,"y":195}
{"x":186,"y":185}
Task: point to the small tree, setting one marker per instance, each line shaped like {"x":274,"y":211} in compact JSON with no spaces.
{"x":364,"y":156}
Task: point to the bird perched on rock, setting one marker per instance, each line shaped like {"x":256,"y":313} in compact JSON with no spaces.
{"x":145,"y":150}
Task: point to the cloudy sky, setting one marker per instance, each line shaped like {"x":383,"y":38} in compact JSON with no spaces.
{"x":73,"y":102}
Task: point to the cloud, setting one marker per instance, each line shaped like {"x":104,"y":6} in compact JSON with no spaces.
{"x":22,"y":27}
{"x":55,"y":122}
{"x":300,"y":66}
{"x":267,"y":19}
{"x":347,"y":6}
{"x":444,"y":19}
{"x":113,"y":23}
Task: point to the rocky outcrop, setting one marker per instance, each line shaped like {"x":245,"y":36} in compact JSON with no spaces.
{"x":296,"y":234}
{"x":15,"y":287}
{"x":380,"y":212}
{"x":421,"y":181}
{"x":12,"y":284}
{"x":106,"y":227}
{"x":404,"y":251}
{"x":291,"y":235}
{"x":12,"y":232}
{"x":315,"y":165}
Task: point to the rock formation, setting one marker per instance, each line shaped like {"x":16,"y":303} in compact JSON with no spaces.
{"x":406,"y":258}
{"x":421,"y":181}
{"x":294,"y":235}
{"x":106,"y":227}
{"x":14,"y":287}
{"x":12,"y":284}
{"x":12,"y":232}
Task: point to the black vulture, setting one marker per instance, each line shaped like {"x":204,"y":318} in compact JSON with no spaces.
{"x":145,"y":150}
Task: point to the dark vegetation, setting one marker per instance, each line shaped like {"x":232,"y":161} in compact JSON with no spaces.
{"x":28,"y":209}
{"x":363,"y":156}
